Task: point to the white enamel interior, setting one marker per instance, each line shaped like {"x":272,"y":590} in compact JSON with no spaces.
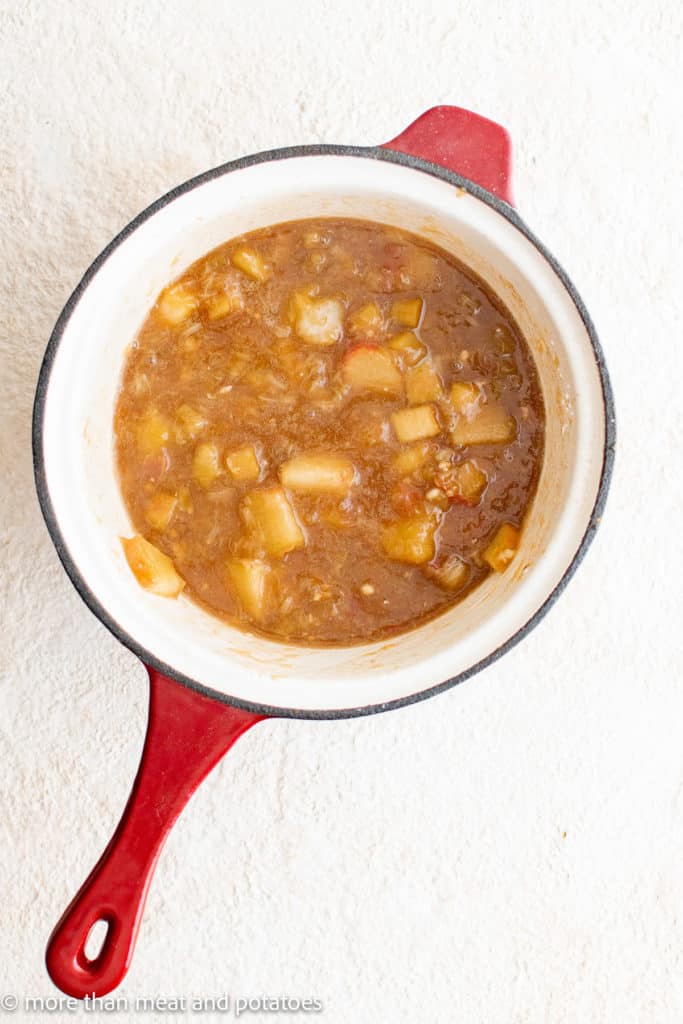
{"x":78,"y":445}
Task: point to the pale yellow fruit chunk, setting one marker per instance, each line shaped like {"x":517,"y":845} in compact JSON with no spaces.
{"x":409,"y":540}
{"x":188,"y":424}
{"x":423,"y":384}
{"x":251,"y":581}
{"x":152,"y":568}
{"x":502,"y":548}
{"x":407,"y":312}
{"x":320,"y":321}
{"x":153,"y":432}
{"x":243,"y":463}
{"x":205,"y":464}
{"x":410,"y":459}
{"x":226,"y":302}
{"x":409,"y":347}
{"x":297,"y":301}
{"x":489,"y":424}
{"x":250,"y":263}
{"x":366,"y":322}
{"x":415,"y":423}
{"x":451,"y":574}
{"x":369,"y":368}
{"x":176,"y":304}
{"x":318,"y":474}
{"x":465,"y":395}
{"x":469,"y":482}
{"x":160,"y":509}
{"x":269,"y":518}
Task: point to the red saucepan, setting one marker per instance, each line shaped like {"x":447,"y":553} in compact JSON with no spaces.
{"x":446,"y":177}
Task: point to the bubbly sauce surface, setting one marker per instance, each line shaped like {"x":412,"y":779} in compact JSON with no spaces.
{"x":327,"y":432}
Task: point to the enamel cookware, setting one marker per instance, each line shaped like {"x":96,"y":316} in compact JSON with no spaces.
{"x":446,"y":177}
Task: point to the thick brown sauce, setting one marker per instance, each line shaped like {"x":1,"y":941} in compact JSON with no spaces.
{"x":252,"y":380}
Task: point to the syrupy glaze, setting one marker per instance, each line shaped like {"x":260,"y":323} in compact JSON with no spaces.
{"x":293,"y":433}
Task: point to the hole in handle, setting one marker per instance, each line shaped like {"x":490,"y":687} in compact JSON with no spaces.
{"x":95,"y":940}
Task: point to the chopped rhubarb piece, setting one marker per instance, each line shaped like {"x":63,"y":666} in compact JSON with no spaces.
{"x":251,"y":579}
{"x":250,"y":263}
{"x":409,"y":347}
{"x":153,"y":432}
{"x":465,"y":395}
{"x":503,"y":548}
{"x":188,"y":424}
{"x":319,"y":321}
{"x":243,"y":463}
{"x":176,"y":303}
{"x":451,"y":574}
{"x":205,"y":464}
{"x":225,"y":302}
{"x":369,"y":368}
{"x":160,"y":509}
{"x":407,"y":312}
{"x":366,"y":322}
{"x":318,"y":474}
{"x":415,"y":423}
{"x":490,"y":424}
{"x":270,"y":520}
{"x":410,"y":540}
{"x":152,"y":568}
{"x":410,"y":459}
{"x":423,"y":384}
{"x":464,"y":483}
{"x":471,"y":481}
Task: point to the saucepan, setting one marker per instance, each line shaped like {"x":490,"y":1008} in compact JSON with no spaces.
{"x":447,"y":177}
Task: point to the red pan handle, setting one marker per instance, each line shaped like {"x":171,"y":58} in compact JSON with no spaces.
{"x":466,"y":143}
{"x":187,"y":734}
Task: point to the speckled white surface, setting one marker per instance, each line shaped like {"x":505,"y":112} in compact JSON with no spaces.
{"x":511,"y":851}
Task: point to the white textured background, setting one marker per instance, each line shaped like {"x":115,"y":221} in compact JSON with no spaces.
{"x":511,"y":852}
